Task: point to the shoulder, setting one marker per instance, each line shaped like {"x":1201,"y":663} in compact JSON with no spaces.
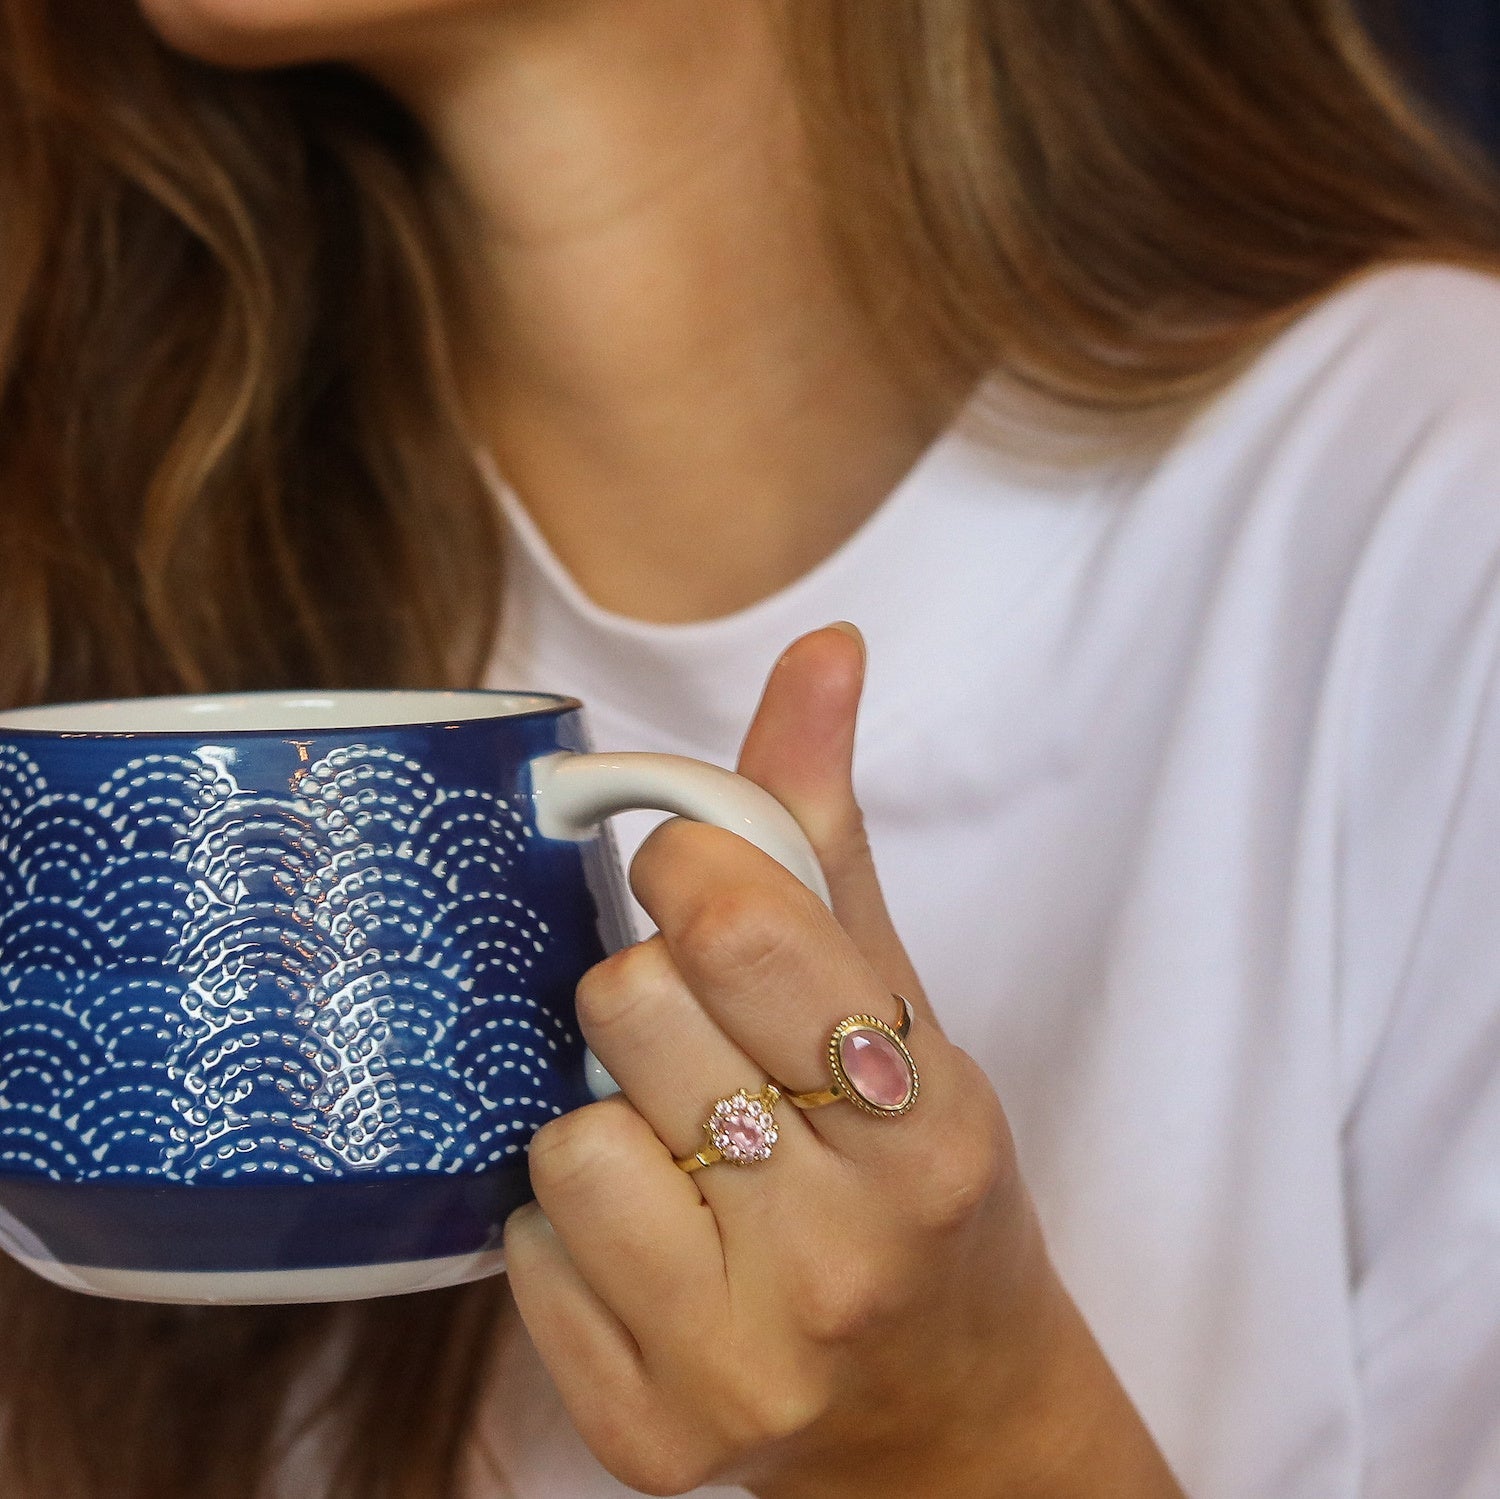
{"x":1382,"y":409}
{"x":1417,"y":299}
{"x":1385,"y":402}
{"x":1365,"y":439}
{"x":1340,"y":502}
{"x":1372,"y":427}
{"x":1378,"y":365}
{"x":1434,"y":326}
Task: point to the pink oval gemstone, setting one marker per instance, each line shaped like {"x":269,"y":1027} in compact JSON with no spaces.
{"x":875,"y":1069}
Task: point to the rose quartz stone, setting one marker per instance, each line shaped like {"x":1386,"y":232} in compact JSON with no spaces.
{"x":875,"y":1069}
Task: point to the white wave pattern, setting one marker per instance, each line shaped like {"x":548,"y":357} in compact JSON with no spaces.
{"x":205,"y":983}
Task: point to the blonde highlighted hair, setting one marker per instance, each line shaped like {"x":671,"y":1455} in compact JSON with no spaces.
{"x":233,"y":455}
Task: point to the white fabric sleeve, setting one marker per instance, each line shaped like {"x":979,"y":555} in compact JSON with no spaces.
{"x":1422,"y":887}
{"x":1426,"y":1144}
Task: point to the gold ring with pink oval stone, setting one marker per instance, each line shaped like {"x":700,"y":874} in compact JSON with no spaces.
{"x":871,"y":1066}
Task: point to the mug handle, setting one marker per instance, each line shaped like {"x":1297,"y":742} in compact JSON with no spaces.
{"x":574,"y":793}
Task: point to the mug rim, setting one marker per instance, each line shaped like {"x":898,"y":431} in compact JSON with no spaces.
{"x":14,"y":724}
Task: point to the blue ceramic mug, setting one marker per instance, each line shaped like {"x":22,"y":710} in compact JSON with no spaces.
{"x":286,"y":981}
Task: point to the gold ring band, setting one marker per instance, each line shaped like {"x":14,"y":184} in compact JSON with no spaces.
{"x":741,"y":1129}
{"x":871,"y":1067}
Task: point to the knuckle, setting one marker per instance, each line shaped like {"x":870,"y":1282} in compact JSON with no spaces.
{"x":662,"y":871}
{"x":663,"y":1464}
{"x":650,"y":1451}
{"x":577,"y":1147}
{"x":613,"y":994}
{"x":742,"y":928}
{"x":974,"y":1165}
{"x":658,"y":852}
{"x":753,"y":1412}
{"x":847,"y":843}
{"x":768,"y":1417}
{"x":844,"y":1303}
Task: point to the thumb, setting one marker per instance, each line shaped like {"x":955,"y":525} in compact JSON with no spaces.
{"x":800,"y":748}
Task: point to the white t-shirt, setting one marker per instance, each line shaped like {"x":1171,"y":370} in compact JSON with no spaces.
{"x":1184,"y":784}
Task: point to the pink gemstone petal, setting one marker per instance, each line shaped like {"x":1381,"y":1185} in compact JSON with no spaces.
{"x":876,"y":1069}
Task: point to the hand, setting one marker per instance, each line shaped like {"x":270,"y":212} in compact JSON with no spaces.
{"x":871,"y":1310}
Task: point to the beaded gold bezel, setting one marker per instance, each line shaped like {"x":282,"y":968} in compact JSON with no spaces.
{"x":845,"y":1084}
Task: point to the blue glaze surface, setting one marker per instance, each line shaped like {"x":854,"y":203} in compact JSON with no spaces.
{"x":133,"y":1225}
{"x":254,"y":961}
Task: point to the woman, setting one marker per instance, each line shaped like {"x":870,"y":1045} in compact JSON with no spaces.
{"x":1125,"y":368}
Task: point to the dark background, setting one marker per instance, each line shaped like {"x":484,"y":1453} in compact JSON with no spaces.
{"x":1451,"y":50}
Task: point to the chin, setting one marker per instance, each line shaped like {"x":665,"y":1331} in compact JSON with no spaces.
{"x":274,"y":33}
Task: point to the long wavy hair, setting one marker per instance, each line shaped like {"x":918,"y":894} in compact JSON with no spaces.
{"x":233,"y":455}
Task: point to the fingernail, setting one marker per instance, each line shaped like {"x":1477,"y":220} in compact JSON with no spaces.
{"x":853,"y":632}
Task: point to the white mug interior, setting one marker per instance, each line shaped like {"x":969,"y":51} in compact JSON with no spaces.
{"x":275,"y":712}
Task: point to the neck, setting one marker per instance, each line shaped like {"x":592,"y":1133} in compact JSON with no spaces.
{"x":674,"y":377}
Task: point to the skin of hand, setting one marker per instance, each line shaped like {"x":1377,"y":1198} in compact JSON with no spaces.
{"x":872,"y":1309}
